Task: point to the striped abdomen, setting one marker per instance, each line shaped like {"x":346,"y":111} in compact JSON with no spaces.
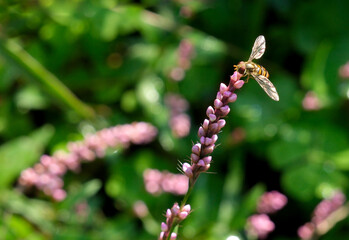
{"x":256,"y":69}
{"x":260,"y":70}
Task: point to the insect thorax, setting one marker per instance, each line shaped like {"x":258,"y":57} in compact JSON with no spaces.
{"x":254,"y":68}
{"x":250,"y":67}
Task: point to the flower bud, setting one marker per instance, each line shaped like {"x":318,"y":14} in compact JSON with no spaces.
{"x":173,"y":236}
{"x":209,"y":111}
{"x":186,"y":208}
{"x":164,"y":227}
{"x":168,"y":213}
{"x":214,"y":128}
{"x":207,"y":159}
{"x":187,"y":170}
{"x":205,"y":124}
{"x":214,"y":138}
{"x":221,"y":123}
{"x":217,"y":103}
{"x":201,"y":132}
{"x":227,"y":94}
{"x":208,"y":141}
{"x":196,"y":149}
{"x":202,"y":140}
{"x":223,"y":88}
{"x":183,"y":215}
{"x":219,"y":96}
{"x":208,"y":150}
{"x":225,"y":110}
{"x":201,"y":163}
{"x":238,"y":84}
{"x":195,"y":158}
{"x":212,"y":117}
{"x":232,"y":98}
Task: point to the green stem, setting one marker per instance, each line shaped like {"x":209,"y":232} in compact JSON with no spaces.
{"x":29,"y":65}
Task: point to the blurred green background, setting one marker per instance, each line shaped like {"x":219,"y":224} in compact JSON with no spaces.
{"x":67,"y":66}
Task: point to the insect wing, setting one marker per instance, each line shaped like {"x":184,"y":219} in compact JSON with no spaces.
{"x":267,"y":86}
{"x":258,"y":48}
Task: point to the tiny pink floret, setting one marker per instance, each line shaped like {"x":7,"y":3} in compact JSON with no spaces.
{"x":183,"y":215}
{"x":201,"y":132}
{"x":209,"y":111}
{"x":205,"y":124}
{"x":173,"y":236}
{"x":196,"y":149}
{"x":168,"y":213}
{"x":227,"y":94}
{"x":212,"y":117}
{"x":207,"y":159}
{"x":221,"y":123}
{"x":201,"y":163}
{"x":218,"y":103}
{"x":232,"y":98}
{"x":164,"y":227}
{"x":223,"y":88}
{"x":194,"y":157}
{"x":238,"y":84}
{"x":219,"y":96}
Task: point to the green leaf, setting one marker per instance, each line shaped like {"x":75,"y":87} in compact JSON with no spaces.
{"x":80,"y":193}
{"x":283,"y":154}
{"x":248,"y":206}
{"x":35,"y":211}
{"x":21,"y":153}
{"x":341,"y":160}
{"x":304,"y":181}
{"x":31,"y":98}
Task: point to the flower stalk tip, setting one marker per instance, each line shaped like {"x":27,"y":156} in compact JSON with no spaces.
{"x":200,"y":158}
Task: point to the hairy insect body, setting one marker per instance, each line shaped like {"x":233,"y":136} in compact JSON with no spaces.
{"x":258,"y":72}
{"x":256,"y":69}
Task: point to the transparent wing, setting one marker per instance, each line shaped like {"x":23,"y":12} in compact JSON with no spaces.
{"x":267,"y":86}
{"x":258,"y":48}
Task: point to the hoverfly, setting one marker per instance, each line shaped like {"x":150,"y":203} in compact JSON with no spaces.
{"x":259,"y":73}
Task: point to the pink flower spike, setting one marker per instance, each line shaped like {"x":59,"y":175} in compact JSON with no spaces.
{"x":223,"y":88}
{"x":173,"y":236}
{"x":218,"y":103}
{"x":209,"y":111}
{"x":232,"y":98}
{"x":164,"y":227}
{"x":238,"y":84}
